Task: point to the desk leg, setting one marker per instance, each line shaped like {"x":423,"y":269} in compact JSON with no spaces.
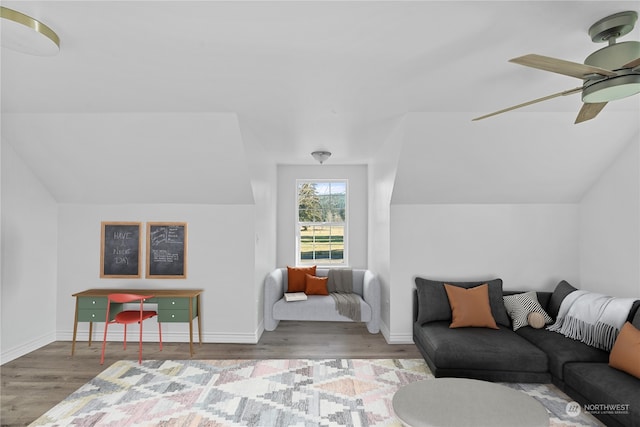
{"x":75,"y":329}
{"x":191,"y":325}
{"x":199,"y":321}
{"x":90,"y":332}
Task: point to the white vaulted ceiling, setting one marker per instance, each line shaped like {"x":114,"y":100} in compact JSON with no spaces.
{"x":160,"y":83}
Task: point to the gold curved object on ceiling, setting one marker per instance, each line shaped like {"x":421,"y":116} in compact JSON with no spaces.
{"x":27,"y":21}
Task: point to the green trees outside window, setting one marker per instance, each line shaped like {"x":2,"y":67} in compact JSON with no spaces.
{"x":321,"y":228}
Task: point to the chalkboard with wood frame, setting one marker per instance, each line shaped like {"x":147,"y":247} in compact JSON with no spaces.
{"x":120,"y":246}
{"x":167,"y":250}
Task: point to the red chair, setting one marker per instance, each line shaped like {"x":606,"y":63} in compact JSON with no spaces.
{"x":129,"y":316}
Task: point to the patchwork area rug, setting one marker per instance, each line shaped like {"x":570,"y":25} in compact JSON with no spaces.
{"x":262,"y":393}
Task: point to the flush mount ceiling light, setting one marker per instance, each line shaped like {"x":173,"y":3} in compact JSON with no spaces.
{"x":321,"y":156}
{"x":25,"y":34}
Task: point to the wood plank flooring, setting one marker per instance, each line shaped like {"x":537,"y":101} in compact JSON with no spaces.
{"x":34,"y":383}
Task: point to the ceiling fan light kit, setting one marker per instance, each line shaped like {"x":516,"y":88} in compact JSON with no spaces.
{"x":613,"y":57}
{"x":611,"y":89}
{"x":609,"y":74}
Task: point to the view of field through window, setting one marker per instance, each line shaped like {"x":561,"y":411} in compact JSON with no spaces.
{"x":321,"y":220}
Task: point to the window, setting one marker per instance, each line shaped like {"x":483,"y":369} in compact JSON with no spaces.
{"x":321,"y":230}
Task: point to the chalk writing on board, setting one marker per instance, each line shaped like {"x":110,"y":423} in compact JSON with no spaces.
{"x":166,"y":250}
{"x":120,"y":250}
{"x":121,"y":253}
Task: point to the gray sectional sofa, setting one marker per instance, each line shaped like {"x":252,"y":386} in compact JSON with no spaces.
{"x":525,"y":355}
{"x":320,"y":307}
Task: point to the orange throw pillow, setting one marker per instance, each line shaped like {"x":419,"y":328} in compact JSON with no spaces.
{"x":625,"y":354}
{"x":297,"y":278}
{"x":470,"y":307}
{"x":316,"y":285}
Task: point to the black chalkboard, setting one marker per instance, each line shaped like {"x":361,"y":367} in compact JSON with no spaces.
{"x":167,"y":250}
{"x":120,"y":250}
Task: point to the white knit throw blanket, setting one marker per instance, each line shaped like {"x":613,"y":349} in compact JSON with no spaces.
{"x":592,"y":318}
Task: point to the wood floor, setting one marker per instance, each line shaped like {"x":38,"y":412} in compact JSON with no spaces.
{"x":34,"y":383}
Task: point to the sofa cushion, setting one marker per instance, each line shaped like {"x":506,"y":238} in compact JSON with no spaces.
{"x":433,"y":304}
{"x":519,"y":306}
{"x":561,"y":350}
{"x":316,"y":285}
{"x":625,"y":354}
{"x":560,"y":292}
{"x":316,"y":307}
{"x":602,"y":385}
{"x":478,"y":349}
{"x":470,"y":307}
{"x":297,"y":278}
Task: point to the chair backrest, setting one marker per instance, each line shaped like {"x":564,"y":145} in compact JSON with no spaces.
{"x":124,"y":298}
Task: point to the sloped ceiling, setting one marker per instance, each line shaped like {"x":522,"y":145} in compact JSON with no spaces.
{"x":134,"y":157}
{"x":446,"y":160}
{"x":303,"y":76}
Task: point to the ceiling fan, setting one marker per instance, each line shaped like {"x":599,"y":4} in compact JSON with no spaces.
{"x":610,"y":73}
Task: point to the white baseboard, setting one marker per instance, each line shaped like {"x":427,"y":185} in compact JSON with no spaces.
{"x":384,"y":330}
{"x":400,"y":339}
{"x":152,"y":336}
{"x":28,"y":347}
{"x":406,"y":338}
{"x":259,"y":330}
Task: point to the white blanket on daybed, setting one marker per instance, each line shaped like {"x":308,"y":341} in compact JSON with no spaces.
{"x":592,"y":318}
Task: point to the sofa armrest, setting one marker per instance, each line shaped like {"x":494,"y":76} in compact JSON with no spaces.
{"x":371,"y":295}
{"x":273,"y":291}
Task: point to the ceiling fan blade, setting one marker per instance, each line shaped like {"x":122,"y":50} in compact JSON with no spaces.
{"x":589,"y":111}
{"x":633,"y":64}
{"x":560,"y":66}
{"x":535,"y":101}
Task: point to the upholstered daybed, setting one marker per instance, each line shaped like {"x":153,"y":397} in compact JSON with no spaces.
{"x":366,"y":290}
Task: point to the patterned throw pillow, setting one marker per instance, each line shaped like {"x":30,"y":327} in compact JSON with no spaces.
{"x":520,"y":305}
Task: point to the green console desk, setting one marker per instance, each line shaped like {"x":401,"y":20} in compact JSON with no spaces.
{"x":174,"y":305}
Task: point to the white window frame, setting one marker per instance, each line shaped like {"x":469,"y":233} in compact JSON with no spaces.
{"x":345,"y":224}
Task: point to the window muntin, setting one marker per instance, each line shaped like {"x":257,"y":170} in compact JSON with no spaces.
{"x":321,"y":229}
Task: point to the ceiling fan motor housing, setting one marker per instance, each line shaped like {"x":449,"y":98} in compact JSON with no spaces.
{"x":613,"y":57}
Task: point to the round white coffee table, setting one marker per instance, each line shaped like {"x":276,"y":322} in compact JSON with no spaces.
{"x":461,"y":402}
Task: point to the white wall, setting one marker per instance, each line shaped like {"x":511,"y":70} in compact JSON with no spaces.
{"x":610,"y":228}
{"x":264,"y":185}
{"x":382,"y":174}
{"x":221,"y":242}
{"x":29,"y":251}
{"x":528,"y":246}
{"x":358,"y":207}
